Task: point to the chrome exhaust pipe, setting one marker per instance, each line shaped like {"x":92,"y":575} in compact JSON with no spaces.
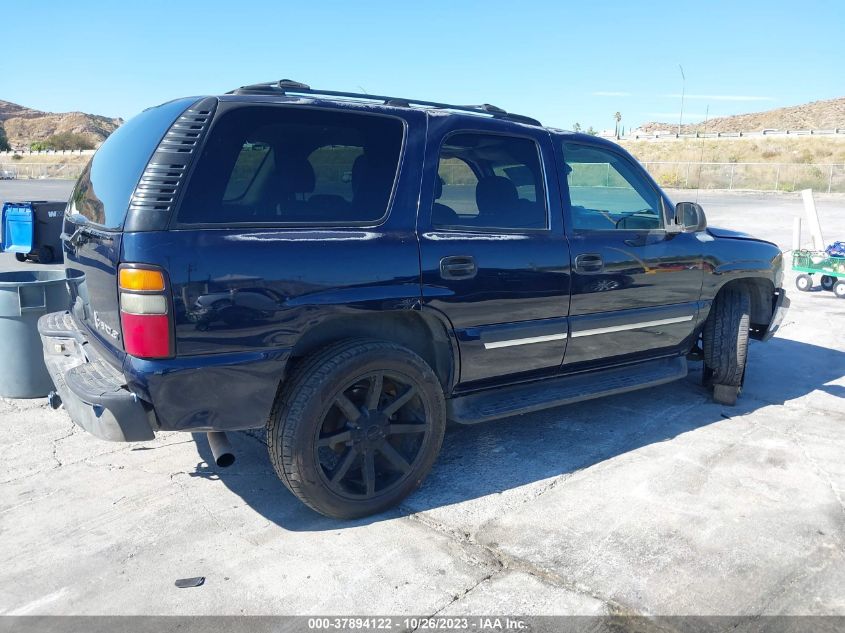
{"x":224,"y":454}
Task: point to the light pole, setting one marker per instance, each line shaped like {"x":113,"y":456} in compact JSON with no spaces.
{"x":683,"y":91}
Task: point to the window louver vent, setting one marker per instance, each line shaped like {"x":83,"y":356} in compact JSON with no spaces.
{"x":185,"y":133}
{"x":160,"y":182}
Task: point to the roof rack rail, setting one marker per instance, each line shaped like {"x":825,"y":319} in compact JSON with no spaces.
{"x":288,"y":86}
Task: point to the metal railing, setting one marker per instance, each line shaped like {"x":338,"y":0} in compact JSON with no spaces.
{"x":667,"y":134}
{"x":47,"y":152}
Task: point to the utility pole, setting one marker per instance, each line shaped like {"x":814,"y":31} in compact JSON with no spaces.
{"x":683,"y":92}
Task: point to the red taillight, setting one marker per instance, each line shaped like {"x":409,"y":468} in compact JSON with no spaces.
{"x":146,"y":335}
{"x":144,"y":318}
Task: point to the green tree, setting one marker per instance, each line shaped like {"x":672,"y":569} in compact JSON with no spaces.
{"x":64,"y":140}
{"x":591,"y":131}
{"x":617,"y":117}
{"x":4,"y":142}
{"x":576,"y":127}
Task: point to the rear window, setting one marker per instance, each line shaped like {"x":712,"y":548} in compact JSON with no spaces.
{"x":103,"y":190}
{"x":291,"y":165}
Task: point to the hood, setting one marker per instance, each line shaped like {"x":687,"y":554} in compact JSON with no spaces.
{"x":715,"y":231}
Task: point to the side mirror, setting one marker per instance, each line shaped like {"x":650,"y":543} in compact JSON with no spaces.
{"x":689,"y":217}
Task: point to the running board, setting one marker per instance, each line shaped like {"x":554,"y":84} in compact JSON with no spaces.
{"x":493,"y":404}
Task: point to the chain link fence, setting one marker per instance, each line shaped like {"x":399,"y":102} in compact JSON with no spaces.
{"x":31,"y":170}
{"x":824,"y":178}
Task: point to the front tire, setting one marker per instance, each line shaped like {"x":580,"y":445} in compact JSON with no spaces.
{"x":725,"y":342}
{"x":839,"y":289}
{"x":357,"y":428}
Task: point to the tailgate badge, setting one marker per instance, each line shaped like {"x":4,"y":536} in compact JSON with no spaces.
{"x":105,"y":327}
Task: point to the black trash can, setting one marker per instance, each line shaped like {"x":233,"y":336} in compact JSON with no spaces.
{"x":24,"y":296}
{"x":33,"y":230}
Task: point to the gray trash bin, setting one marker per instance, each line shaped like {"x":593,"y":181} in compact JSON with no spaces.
{"x":24,"y":296}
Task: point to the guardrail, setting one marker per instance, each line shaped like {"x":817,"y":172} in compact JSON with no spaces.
{"x":820,"y":177}
{"x":634,"y":136}
{"x":47,"y":152}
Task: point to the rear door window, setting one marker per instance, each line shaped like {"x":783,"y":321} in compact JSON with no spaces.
{"x":489,"y":182}
{"x":291,"y":165}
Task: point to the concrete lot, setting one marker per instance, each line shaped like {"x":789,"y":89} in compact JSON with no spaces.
{"x":657,"y":502}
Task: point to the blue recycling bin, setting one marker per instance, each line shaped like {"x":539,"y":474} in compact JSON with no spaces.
{"x":32,"y":230}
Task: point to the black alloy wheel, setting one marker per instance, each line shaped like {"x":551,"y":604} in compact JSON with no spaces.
{"x":371,"y":435}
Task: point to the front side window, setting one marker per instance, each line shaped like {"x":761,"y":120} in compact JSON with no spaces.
{"x":489,"y":182}
{"x":607,"y":192}
{"x":291,"y":165}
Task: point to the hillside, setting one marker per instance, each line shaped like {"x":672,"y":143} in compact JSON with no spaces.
{"x":816,"y":115}
{"x":25,"y":126}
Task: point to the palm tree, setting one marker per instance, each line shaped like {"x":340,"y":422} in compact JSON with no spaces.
{"x":618,"y":118}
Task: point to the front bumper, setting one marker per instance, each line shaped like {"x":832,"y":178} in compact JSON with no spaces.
{"x":781,"y":305}
{"x":93,"y":392}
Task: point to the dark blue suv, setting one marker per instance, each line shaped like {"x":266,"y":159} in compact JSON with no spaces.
{"x":352,"y":271}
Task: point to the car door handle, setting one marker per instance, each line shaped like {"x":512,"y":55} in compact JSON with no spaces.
{"x":458,"y":267}
{"x":589,"y":263}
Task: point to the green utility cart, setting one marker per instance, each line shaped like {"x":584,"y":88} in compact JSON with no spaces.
{"x":809,"y":263}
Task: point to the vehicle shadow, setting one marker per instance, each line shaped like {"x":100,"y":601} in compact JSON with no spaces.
{"x":491,"y":458}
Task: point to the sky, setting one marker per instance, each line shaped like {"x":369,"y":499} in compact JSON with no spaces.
{"x":561,"y":62}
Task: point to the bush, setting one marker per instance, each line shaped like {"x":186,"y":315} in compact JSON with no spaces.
{"x":65,"y":140}
{"x":672,"y":178}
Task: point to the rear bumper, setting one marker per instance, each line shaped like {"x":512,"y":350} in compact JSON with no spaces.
{"x":93,"y":392}
{"x":781,"y":305}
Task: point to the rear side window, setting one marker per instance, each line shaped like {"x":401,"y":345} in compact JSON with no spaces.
{"x":291,"y":165}
{"x":103,"y":190}
{"x":489,"y":182}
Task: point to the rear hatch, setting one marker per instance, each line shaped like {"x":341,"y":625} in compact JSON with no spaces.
{"x":96,"y":217}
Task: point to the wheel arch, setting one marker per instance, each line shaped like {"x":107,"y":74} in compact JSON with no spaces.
{"x":421,"y":332}
{"x":761,"y":293}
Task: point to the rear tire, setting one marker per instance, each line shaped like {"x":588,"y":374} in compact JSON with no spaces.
{"x":804,"y":283}
{"x":21,"y":257}
{"x":828,"y":282}
{"x":839,"y":289}
{"x":725,"y":341}
{"x":357,"y":427}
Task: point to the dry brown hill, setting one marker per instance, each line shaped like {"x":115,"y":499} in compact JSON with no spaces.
{"x":817,"y":115}
{"x":25,"y":126}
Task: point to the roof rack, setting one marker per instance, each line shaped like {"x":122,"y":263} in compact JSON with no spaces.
{"x":288,"y":86}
